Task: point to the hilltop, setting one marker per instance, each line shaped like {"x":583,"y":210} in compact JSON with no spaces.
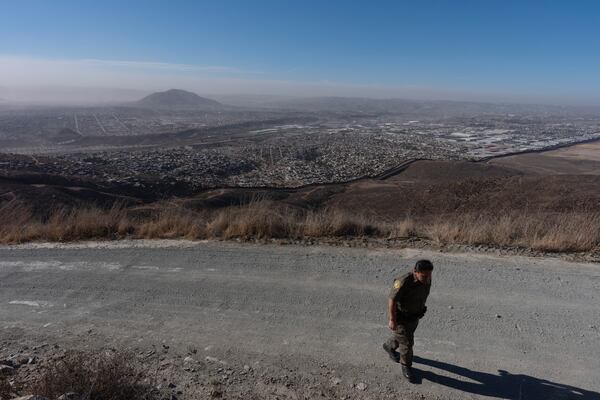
{"x":177,"y":99}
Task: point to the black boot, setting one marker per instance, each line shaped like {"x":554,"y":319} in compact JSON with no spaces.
{"x":394,"y":355}
{"x":407,"y":372}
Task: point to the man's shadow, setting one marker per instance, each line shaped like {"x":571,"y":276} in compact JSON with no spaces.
{"x":503,"y":386}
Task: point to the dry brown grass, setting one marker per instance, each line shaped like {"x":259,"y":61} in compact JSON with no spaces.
{"x":19,"y":224}
{"x":107,"y":375}
{"x":257,"y":219}
{"x":405,"y":228}
{"x":567,"y":232}
{"x":335,"y":222}
{"x":170,"y":224}
{"x":570,"y":231}
{"x":5,"y":388}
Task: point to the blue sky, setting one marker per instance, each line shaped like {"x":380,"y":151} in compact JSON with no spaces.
{"x":529,"y":48}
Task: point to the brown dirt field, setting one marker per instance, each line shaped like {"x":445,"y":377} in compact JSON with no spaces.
{"x":445,"y":171}
{"x":582,"y":159}
{"x":430,"y":188}
{"x":585,"y":151}
{"x":496,"y":195}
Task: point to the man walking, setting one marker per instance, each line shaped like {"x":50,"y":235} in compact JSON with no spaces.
{"x":406,"y":305}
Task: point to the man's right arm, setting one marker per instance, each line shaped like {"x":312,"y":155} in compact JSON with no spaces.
{"x":392,"y":314}
{"x":392,"y":304}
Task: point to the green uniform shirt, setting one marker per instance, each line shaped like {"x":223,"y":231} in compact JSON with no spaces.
{"x":410,"y":294}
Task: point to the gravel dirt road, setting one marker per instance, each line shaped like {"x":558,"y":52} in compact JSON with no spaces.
{"x":496,"y":327}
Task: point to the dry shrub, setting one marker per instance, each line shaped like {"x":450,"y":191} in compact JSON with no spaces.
{"x":107,"y":375}
{"x":264,"y":219}
{"x":13,"y":220}
{"x":443,"y":231}
{"x":89,"y":223}
{"x":219,"y":223}
{"x":405,"y":228}
{"x":256,"y":219}
{"x":573,"y":231}
{"x":335,"y":222}
{"x":173,"y":223}
{"x":567,"y":231}
{"x":20,"y":225}
{"x":314,"y":224}
{"x":5,"y":388}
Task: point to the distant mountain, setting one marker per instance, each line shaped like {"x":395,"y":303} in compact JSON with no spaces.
{"x":176,"y":99}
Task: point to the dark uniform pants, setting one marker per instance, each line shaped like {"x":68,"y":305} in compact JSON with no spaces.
{"x":403,"y":339}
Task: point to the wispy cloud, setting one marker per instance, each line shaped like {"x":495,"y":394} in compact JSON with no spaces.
{"x":162,"y":66}
{"x":18,"y":65}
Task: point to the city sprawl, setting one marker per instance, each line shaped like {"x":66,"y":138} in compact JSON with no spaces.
{"x":270,"y":147}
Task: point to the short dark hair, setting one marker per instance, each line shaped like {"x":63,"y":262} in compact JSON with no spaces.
{"x":423,"y":265}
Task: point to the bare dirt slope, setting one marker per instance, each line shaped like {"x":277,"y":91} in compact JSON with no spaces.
{"x":496,"y":327}
{"x":581,"y":159}
{"x":527,"y":194}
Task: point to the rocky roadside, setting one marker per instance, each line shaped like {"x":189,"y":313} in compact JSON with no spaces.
{"x":426,"y":244}
{"x":172,"y":375}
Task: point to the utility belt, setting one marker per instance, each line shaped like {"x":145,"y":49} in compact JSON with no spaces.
{"x":404,"y":316}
